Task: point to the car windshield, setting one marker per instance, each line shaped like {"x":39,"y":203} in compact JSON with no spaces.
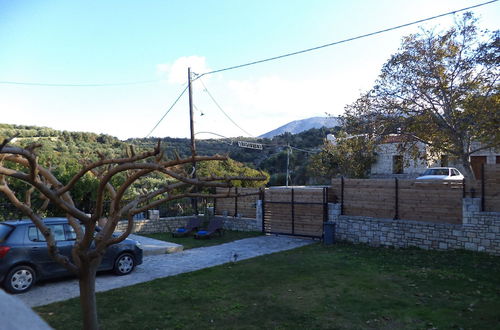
{"x":436,"y":171}
{"x":4,"y":231}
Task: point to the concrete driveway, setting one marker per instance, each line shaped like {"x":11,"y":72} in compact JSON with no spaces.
{"x":163,"y":265}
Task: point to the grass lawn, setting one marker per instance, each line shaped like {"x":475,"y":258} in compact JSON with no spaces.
{"x":191,"y":243}
{"x":315,"y":287}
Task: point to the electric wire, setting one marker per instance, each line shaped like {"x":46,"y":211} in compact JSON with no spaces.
{"x":169,"y":109}
{"x":219,"y":135}
{"x":254,"y":62}
{"x":220,"y":108}
{"x":344,"y":40}
{"x":79,"y":85}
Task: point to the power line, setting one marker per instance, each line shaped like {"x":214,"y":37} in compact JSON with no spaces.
{"x":220,"y":108}
{"x":314,"y":151}
{"x":249,"y":63}
{"x":171,"y":107}
{"x":344,"y":40}
{"x":219,"y":135}
{"x":79,"y":85}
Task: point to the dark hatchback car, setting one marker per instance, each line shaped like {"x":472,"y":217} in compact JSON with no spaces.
{"x":24,"y":257}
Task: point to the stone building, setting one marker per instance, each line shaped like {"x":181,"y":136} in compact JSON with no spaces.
{"x":392,"y":163}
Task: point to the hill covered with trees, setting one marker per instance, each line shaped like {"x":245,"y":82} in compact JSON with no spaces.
{"x":64,"y":149}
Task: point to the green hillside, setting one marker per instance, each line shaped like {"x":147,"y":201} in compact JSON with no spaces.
{"x":64,"y":149}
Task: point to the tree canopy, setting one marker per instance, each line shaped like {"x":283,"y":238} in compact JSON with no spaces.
{"x":350,"y":156}
{"x":441,"y":89}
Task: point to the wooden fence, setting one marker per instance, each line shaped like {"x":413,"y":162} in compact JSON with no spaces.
{"x":295,"y":211}
{"x":378,"y":198}
{"x":243,"y":205}
{"x":400,"y":199}
{"x":416,"y":200}
{"x":490,"y":188}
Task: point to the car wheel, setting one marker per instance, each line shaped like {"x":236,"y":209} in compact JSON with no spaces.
{"x":124,"y":264}
{"x":20,"y":279}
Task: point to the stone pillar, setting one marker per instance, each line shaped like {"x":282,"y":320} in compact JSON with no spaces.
{"x":154,"y":214}
{"x":333,"y":211}
{"x":469,"y":207}
{"x":258,"y":213}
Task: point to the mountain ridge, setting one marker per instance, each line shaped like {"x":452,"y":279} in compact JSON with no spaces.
{"x":297,"y":126}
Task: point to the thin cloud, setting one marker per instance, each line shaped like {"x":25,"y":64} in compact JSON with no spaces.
{"x":176,"y":72}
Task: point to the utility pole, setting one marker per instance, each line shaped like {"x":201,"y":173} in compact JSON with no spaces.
{"x":194,"y":201}
{"x":287,"y":163}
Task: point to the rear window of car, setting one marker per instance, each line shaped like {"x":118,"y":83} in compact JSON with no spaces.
{"x":4,"y":231}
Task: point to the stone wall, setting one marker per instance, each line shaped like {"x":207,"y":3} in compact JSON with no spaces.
{"x":241,"y":224}
{"x":383,"y":167}
{"x":165,"y":225}
{"x":480,"y":231}
{"x":155,"y":225}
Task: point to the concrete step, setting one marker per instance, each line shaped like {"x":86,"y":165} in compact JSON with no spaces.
{"x":152,"y":246}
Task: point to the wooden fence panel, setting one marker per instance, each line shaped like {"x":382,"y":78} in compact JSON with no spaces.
{"x":430,"y":201}
{"x":298,"y":211}
{"x":373,"y":198}
{"x":401,"y":199}
{"x":492,"y":187}
{"x":234,"y":206}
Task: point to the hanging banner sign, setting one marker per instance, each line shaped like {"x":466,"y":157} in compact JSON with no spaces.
{"x":250,"y":145}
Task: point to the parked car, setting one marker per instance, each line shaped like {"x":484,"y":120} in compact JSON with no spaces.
{"x":442,"y":173}
{"x":24,"y":257}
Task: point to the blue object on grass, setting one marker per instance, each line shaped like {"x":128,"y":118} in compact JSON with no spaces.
{"x":181,"y":230}
{"x":202,"y":232}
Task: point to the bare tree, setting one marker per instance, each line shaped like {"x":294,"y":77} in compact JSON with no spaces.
{"x":18,"y":163}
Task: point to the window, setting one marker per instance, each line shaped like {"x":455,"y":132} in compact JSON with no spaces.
{"x":70,"y":232}
{"x":397,"y":164}
{"x":4,"y":231}
{"x":57,"y":230}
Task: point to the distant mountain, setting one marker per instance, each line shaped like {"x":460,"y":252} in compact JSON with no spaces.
{"x":298,"y":126}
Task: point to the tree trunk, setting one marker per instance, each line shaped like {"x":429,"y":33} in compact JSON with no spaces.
{"x":87,"y":294}
{"x":468,"y":172}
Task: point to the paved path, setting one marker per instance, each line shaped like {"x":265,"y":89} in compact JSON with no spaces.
{"x":152,"y":246}
{"x":158,"y":266}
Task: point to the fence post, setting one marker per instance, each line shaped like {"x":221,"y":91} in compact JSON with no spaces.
{"x":325,"y":204}
{"x":263,"y":206}
{"x":396,"y":215}
{"x":236,"y":202}
{"x":482,"y":187}
{"x":293,"y":213}
{"x":215,"y":204}
{"x":342,"y":196}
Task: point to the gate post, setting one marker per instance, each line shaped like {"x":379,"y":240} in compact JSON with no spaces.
{"x":396,"y":215}
{"x":262,"y":195}
{"x":235,"y":202}
{"x":342,"y":196}
{"x":482,"y":187}
{"x":293,"y":213}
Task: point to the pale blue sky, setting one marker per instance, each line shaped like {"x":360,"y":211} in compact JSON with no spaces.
{"x":81,"y":42}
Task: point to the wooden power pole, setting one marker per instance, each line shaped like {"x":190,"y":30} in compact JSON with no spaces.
{"x":194,"y":201}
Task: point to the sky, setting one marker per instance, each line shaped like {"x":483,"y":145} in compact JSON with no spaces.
{"x":150,"y":44}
